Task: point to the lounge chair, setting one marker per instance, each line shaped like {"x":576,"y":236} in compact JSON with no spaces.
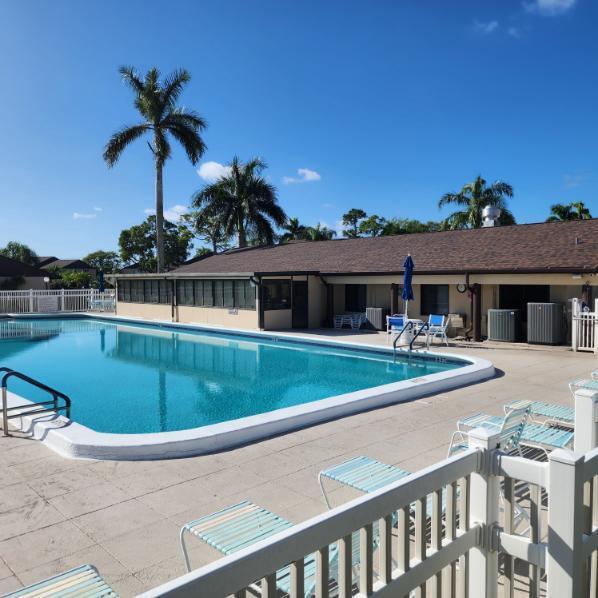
{"x":545,"y":413}
{"x":437,"y":327}
{"x":589,"y":383}
{"x":539,"y":436}
{"x":81,"y":581}
{"x":243,"y":524}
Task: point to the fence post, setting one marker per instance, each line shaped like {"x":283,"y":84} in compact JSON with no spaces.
{"x":586,"y":416}
{"x":574,"y":324}
{"x":566,"y":516}
{"x":595,"y":322}
{"x":483,"y":509}
{"x":61,"y":299}
{"x":31,"y":300}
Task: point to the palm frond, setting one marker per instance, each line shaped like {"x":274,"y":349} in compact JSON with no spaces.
{"x":173,"y":86}
{"x":120,"y":140}
{"x":453,"y":198}
{"x":131,"y":78}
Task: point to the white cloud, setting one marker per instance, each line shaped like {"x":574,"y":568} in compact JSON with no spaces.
{"x":305,"y":176}
{"x":549,"y":8}
{"x":514,"y":31}
{"x":172,"y":214}
{"x":212,"y":171}
{"x":96,"y":209}
{"x":81,"y":216}
{"x":572,"y":180}
{"x":485,"y":26}
{"x":328,"y":205}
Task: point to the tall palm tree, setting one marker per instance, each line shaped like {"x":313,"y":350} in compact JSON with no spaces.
{"x":156,"y":102}
{"x":474,"y":197}
{"x":244,"y":202}
{"x":294,"y":231}
{"x":573,"y":211}
{"x":319,"y":233}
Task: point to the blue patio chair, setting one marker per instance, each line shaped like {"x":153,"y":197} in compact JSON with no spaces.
{"x":545,"y":413}
{"x":437,"y":327}
{"x":589,"y":383}
{"x":394,"y":324}
{"x":246,"y":523}
{"x":83,"y":581}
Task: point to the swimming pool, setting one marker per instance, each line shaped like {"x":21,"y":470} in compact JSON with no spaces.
{"x":128,"y":379}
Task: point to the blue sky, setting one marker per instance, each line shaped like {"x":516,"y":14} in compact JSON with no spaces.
{"x":383,"y":105}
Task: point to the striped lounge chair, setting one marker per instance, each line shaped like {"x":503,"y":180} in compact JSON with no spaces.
{"x":245,"y":523}
{"x":81,"y":582}
{"x":545,"y":413}
{"x":589,"y":383}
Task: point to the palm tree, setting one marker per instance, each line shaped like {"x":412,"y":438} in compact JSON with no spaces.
{"x":474,"y":197}
{"x":574,"y":211}
{"x":319,"y":233}
{"x":295,"y":231}
{"x":156,"y":101}
{"x":243,"y":202}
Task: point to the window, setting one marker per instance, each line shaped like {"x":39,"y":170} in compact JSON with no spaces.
{"x":229,"y":296}
{"x":249,"y":293}
{"x":185,"y":294}
{"x":137,"y":291}
{"x":434,"y":299}
{"x":151,"y":291}
{"x":198,"y":291}
{"x":355,"y":297}
{"x":276,"y":294}
{"x":164,"y":291}
{"x":218,"y":287}
{"x":208,"y":293}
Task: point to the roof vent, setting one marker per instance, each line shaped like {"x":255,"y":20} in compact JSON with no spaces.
{"x":490,"y":216}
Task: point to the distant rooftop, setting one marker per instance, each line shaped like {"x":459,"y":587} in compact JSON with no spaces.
{"x":10,"y":268}
{"x":570,"y":247}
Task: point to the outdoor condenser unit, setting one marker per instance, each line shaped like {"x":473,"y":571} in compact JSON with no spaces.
{"x":545,"y":323}
{"x":504,"y":325}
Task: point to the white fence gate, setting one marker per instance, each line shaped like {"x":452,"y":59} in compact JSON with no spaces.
{"x":439,"y":532}
{"x":584,"y":332}
{"x":62,"y":300}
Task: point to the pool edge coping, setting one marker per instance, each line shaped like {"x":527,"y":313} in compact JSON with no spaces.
{"x":73,"y":440}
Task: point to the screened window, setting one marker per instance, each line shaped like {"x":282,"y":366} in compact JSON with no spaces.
{"x":249,"y":293}
{"x":434,"y":299}
{"x":218,"y":286}
{"x":198,"y":292}
{"x":164,"y":291}
{"x":208,"y":293}
{"x":151,"y":291}
{"x":185,"y":292}
{"x":277,"y":294}
{"x":229,"y":296}
{"x":137,"y":291}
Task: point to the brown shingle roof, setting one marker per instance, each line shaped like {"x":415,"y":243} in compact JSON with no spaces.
{"x":545,"y":247}
{"x":10,"y":268}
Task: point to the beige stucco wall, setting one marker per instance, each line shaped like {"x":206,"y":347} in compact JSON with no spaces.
{"x":217,"y":316}
{"x":278,"y":319}
{"x":148,"y":311}
{"x":316,"y":302}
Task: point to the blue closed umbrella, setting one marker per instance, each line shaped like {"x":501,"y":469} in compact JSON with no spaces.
{"x":407,"y":295}
{"x":101,"y":285}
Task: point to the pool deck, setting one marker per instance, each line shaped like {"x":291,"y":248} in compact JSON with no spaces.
{"x":124,"y":517}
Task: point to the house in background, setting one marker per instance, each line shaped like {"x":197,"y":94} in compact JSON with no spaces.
{"x":53,"y":263}
{"x":16,"y":275}
{"x":304,"y":284}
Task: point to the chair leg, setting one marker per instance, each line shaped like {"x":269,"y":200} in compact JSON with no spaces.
{"x":184,"y":549}
{"x":321,"y":482}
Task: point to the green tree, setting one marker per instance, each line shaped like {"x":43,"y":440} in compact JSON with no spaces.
{"x":156,"y":101}
{"x":351,"y":220}
{"x":405,"y":226}
{"x":372,"y":226}
{"x":243,"y":202}
{"x":294,"y":231}
{"x":208,"y":230}
{"x":20,"y":252}
{"x":573,"y":211}
{"x":319,"y":233}
{"x":71,"y":279}
{"x":106,"y":261}
{"x":473,"y":198}
{"x":138,"y":244}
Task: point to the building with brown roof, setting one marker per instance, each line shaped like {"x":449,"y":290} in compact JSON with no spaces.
{"x":17,"y":275}
{"x":303,"y":284}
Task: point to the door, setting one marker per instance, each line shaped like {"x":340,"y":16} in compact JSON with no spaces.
{"x":299,"y":304}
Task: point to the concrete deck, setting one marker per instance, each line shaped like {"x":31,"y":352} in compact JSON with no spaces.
{"x":124,"y":517}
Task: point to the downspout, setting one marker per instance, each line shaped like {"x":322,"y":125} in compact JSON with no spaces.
{"x":260,"y":303}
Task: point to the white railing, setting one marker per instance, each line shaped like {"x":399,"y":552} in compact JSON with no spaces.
{"x":60,"y":300}
{"x":584,"y":332}
{"x":409,"y":549}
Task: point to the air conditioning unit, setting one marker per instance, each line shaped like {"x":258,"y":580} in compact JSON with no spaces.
{"x":504,"y":325}
{"x":545,"y":323}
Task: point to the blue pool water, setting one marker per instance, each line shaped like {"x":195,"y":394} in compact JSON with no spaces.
{"x":134,"y":378}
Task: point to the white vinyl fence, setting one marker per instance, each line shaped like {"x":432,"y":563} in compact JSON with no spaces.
{"x":410,"y":545}
{"x":20,"y":302}
{"x":584,"y":332}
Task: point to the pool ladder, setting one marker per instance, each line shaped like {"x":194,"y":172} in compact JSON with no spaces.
{"x":409,"y":326}
{"x":36,"y":407}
